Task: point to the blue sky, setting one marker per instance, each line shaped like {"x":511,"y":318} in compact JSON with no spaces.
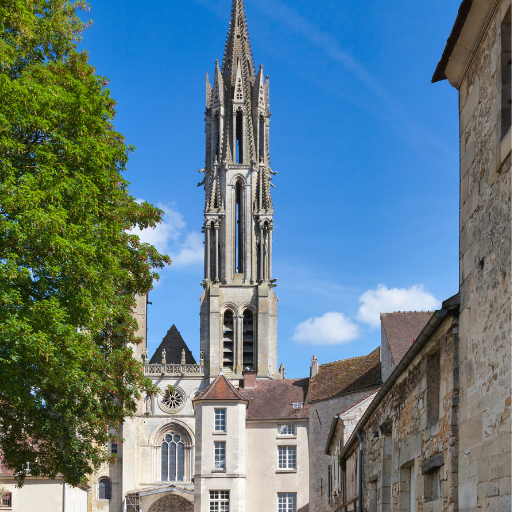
{"x":366,"y":150}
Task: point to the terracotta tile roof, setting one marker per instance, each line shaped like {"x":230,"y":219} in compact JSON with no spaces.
{"x":173,"y":344}
{"x":221,"y":389}
{"x":345,"y":376}
{"x":402,"y":329}
{"x":373,"y":393}
{"x":274,"y":399}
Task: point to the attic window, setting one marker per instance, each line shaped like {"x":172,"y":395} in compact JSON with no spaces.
{"x":298,"y":405}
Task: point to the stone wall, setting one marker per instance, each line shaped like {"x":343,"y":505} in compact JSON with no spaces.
{"x":485,"y":268}
{"x":321,"y":414}
{"x":411,"y":438}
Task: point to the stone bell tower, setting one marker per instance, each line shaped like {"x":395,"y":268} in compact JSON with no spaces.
{"x":238,"y":305}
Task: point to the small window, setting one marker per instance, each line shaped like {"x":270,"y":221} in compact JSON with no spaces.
{"x":298,"y":405}
{"x":113,"y":448}
{"x":433,"y":485}
{"x":220,"y":455}
{"x":220,"y":420}
{"x":104,"y":489}
{"x":287,"y":502}
{"x":287,"y":457}
{"x":219,"y":501}
{"x":6,"y":499}
{"x":287,"y":430}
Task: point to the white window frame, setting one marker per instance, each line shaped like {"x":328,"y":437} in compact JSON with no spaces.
{"x":219,"y":450}
{"x":10,"y":503}
{"x":219,"y":501}
{"x":287,"y":457}
{"x":288,"y":430}
{"x":220,"y":420}
{"x":286,"y":502}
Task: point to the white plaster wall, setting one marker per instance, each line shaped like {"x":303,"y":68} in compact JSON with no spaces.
{"x":206,"y":477}
{"x":45,"y":495}
{"x":264,"y":480}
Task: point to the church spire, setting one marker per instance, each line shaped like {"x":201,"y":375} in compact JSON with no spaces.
{"x":238,"y":305}
{"x":238,"y":51}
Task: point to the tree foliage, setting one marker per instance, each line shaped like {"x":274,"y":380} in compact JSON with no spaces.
{"x":68,"y":267}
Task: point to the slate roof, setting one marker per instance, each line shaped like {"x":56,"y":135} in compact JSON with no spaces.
{"x":221,"y":389}
{"x":345,"y":376}
{"x":273,"y":399}
{"x":173,"y":344}
{"x":402,"y":329}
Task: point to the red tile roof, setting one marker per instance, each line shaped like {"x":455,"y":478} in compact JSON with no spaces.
{"x":402,"y":329}
{"x":274,"y":399}
{"x":345,"y":376}
{"x":221,"y":389}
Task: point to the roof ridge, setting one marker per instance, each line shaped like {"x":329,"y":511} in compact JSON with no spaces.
{"x":350,"y":358}
{"x":205,"y":394}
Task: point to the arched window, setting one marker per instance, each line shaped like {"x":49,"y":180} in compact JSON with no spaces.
{"x":240,"y":133}
{"x":239,"y":228}
{"x":104,"y":489}
{"x":228,"y":337}
{"x":173,"y":458}
{"x":262,"y":139}
{"x":248,"y":341}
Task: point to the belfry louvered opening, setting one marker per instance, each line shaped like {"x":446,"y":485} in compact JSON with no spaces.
{"x":228,"y":339}
{"x":248,"y":340}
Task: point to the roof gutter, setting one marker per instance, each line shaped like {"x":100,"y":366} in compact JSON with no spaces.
{"x":416,"y":347}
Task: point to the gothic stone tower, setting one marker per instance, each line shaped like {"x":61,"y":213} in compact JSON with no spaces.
{"x":238,"y":305}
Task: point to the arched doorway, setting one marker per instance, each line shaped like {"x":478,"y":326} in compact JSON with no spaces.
{"x":172,"y":503}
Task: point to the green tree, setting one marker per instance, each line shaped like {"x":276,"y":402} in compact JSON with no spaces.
{"x":68,"y":267}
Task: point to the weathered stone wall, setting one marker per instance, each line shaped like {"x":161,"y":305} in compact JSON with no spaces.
{"x":387,"y":364}
{"x":320,"y":418}
{"x":485,"y":268}
{"x":409,"y":435}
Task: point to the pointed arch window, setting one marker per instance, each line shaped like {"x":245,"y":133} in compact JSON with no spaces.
{"x":228,"y":338}
{"x":239,"y":134}
{"x":248,"y":340}
{"x":239,"y":228}
{"x":173,"y":458}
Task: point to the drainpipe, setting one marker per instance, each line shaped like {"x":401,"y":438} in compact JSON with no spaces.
{"x":63,"y":496}
{"x":360,"y":500}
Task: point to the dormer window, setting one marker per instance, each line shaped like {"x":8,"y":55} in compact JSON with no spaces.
{"x":298,"y":405}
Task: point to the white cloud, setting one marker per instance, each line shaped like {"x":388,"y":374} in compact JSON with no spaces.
{"x":170,"y":237}
{"x":388,"y":300}
{"x":330,"y":329}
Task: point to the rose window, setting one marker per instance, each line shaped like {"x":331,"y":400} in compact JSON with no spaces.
{"x":172,"y":400}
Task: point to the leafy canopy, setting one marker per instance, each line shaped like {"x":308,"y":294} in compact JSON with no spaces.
{"x":68,"y":268}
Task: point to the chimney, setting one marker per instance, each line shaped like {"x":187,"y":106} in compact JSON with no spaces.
{"x":249,"y":379}
{"x":314,"y":366}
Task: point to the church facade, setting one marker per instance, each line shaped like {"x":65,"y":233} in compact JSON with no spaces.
{"x":227,"y":431}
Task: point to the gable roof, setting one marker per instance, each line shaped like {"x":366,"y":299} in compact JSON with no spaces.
{"x":173,"y":344}
{"x":345,"y":376}
{"x":464,"y":41}
{"x":274,"y":399}
{"x":221,"y":389}
{"x":402,"y":328}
